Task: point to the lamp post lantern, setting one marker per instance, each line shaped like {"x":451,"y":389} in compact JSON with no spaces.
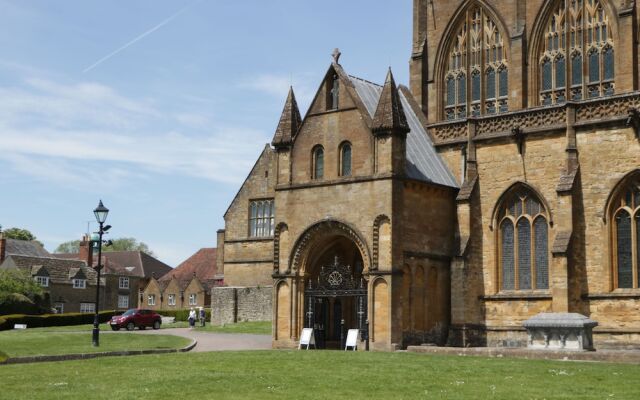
{"x":101,"y":215}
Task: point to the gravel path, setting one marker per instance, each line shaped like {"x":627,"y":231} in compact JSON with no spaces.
{"x":210,"y":341}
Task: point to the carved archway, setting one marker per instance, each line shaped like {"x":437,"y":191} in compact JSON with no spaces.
{"x":314,"y":234}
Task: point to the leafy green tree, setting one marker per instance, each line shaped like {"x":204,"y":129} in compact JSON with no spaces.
{"x":70,"y":247}
{"x":120,"y":244}
{"x":20,"y":234}
{"x":19,"y":293}
{"x":127,"y":244}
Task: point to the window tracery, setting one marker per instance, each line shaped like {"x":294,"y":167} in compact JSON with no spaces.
{"x":578,"y":31}
{"x":523,"y":243}
{"x":626,"y":236}
{"x":476,"y":60}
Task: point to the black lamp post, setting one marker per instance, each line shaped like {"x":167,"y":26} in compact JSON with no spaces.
{"x":101,"y":215}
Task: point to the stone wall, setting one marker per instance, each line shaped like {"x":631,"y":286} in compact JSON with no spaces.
{"x":239,"y":304}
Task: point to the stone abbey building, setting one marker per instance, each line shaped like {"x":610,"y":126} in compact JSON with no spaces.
{"x":504,"y":182}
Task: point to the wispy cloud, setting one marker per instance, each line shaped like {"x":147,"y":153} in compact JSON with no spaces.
{"x":57,"y":132}
{"x":139,"y":37}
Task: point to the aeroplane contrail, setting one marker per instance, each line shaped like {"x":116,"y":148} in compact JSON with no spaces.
{"x":139,"y":37}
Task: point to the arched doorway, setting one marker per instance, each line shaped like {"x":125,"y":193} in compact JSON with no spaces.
{"x":335,"y":293}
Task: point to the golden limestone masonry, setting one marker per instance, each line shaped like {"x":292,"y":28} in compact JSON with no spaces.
{"x":502,"y":184}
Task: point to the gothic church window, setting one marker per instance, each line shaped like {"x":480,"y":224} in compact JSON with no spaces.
{"x":578,"y":31}
{"x":261,"y":218}
{"x":626,"y":236}
{"x":523,"y":243}
{"x":317,"y":167}
{"x":345,"y":159}
{"x":476,"y":60}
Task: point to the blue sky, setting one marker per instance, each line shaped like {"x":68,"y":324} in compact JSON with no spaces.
{"x":160,"y":108}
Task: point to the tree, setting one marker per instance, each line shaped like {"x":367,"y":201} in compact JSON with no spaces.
{"x":120,"y":244}
{"x":20,"y":234}
{"x":127,"y":244}
{"x":70,"y":247}
{"x":19,"y":293}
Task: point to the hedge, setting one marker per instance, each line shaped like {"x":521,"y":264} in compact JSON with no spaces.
{"x":40,"y":321}
{"x":183,"y":315}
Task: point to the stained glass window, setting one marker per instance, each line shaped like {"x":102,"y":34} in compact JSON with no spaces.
{"x":546,"y":75}
{"x":608,"y":70}
{"x":345,"y":164}
{"x":541,"y":253}
{"x":504,"y":82}
{"x":451,"y":91}
{"x":477,"y":47}
{"x":560,"y":72}
{"x":318,"y":163}
{"x":524,"y":253}
{"x":491,"y":84}
{"x":582,"y":28}
{"x":508,"y":265}
{"x":576,"y":69}
{"x":623,"y":231}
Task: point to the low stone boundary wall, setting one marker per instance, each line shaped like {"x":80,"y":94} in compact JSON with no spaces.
{"x":613,"y":356}
{"x":86,"y":356}
{"x":238,"y":304}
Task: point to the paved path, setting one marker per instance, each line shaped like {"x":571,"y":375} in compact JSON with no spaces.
{"x":211,"y":341}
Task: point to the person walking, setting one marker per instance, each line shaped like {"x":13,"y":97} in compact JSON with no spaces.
{"x":203,"y":316}
{"x":192,"y":318}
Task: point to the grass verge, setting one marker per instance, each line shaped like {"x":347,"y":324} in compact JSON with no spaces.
{"x":319,"y":375}
{"x":38,"y":342}
{"x":256,"y":328}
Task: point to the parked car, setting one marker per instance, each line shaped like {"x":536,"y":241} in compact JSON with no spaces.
{"x":136,"y":318}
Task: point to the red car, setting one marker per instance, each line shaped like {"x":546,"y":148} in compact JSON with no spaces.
{"x":136,"y":318}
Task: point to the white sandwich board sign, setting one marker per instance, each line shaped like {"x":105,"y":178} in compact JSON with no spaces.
{"x":307,"y":338}
{"x":352,"y":339}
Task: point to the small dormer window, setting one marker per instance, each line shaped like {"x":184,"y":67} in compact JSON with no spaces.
{"x":79,"y":283}
{"x":333,"y":93}
{"x":42,"y":281}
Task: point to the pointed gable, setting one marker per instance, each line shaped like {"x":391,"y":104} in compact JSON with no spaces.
{"x":389,"y":115}
{"x":289,"y":124}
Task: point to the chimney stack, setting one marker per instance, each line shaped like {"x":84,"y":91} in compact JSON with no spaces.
{"x":86,"y":251}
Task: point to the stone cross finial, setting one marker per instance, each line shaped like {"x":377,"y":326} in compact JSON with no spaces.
{"x":336,"y":55}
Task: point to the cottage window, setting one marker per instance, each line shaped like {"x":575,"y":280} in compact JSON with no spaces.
{"x":523,"y":243}
{"x":172,"y":300}
{"x":151,"y":300}
{"x":626,"y":236}
{"x":477,"y":59}
{"x":123,"y":301}
{"x":345,"y":159}
{"x":578,"y":31}
{"x":261,"y":218}
{"x":192,"y":299}
{"x":317,"y":163}
{"x":42,"y":281}
{"x":79,"y":283}
{"x":123,"y":283}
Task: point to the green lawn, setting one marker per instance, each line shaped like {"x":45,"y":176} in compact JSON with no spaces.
{"x":258,"y":328}
{"x":41,"y":342}
{"x":320,"y":375}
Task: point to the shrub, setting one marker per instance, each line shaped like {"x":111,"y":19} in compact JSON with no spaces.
{"x":40,"y":321}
